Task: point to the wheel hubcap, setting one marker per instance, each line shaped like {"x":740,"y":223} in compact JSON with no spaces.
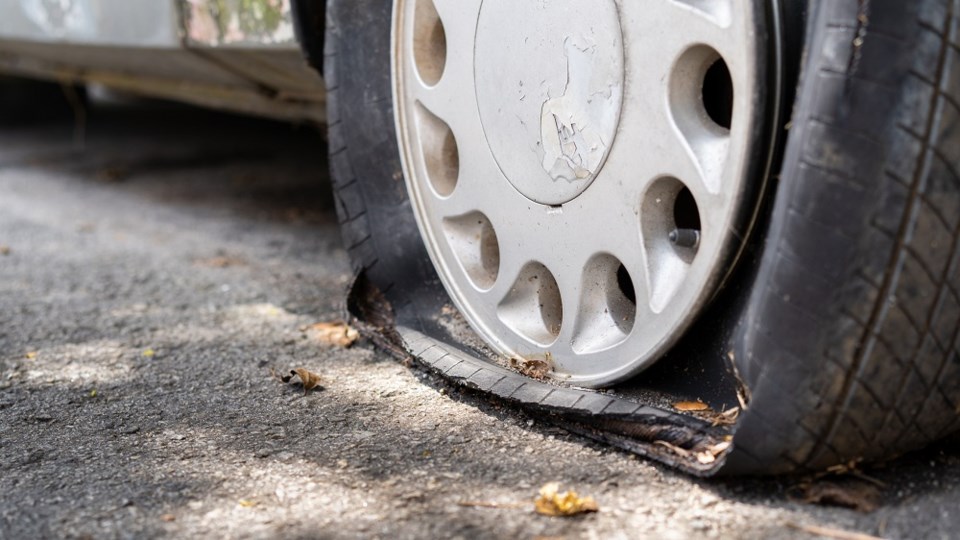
{"x":580,"y":169}
{"x":549,"y":94}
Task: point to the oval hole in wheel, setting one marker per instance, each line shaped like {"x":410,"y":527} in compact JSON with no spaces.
{"x":533,"y":307}
{"x":429,"y":43}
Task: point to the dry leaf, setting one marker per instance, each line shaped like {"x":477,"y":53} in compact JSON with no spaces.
{"x":168,"y":517}
{"x":710,"y":453}
{"x":149,"y":353}
{"x":844,"y":492}
{"x":845,"y":468}
{"x":553,"y":503}
{"x":281,"y":378}
{"x":4,"y":250}
{"x":720,"y":447}
{"x":704,"y":455}
{"x":534,"y":368}
{"x":310,"y":379}
{"x":689,"y":406}
{"x":727,"y":417}
{"x":682,"y":452}
{"x":220,"y":262}
{"x":31,"y":355}
{"x":334,"y":333}
{"x":851,"y":468}
{"x":247,"y":503}
{"x":706,"y":458}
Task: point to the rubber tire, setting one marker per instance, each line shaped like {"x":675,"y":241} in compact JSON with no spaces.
{"x":847,"y":338}
{"x":849,"y":342}
{"x":376,"y":219}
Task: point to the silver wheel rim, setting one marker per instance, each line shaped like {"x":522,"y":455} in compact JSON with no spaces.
{"x":580,"y":188}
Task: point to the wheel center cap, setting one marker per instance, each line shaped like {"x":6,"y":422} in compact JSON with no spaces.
{"x":549,"y":83}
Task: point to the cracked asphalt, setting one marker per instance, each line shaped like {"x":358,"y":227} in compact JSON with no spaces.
{"x":157,"y":263}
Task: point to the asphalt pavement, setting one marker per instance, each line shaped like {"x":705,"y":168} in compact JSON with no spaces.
{"x":160,"y":265}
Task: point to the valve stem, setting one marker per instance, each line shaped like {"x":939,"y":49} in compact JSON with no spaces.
{"x":685,"y":238}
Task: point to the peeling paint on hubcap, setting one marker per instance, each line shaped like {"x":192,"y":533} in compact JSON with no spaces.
{"x":549,"y":92}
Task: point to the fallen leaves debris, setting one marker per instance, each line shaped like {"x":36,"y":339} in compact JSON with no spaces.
{"x":336,"y":333}
{"x":704,"y":455}
{"x":850,"y":493}
{"x":682,"y":452}
{"x":690,"y":406}
{"x":743,"y":392}
{"x":221,"y":261}
{"x":727,"y":417}
{"x":309,"y":379}
{"x":710,"y":453}
{"x":553,"y":503}
{"x":700,"y":409}
{"x":843,"y":485}
{"x":4,"y":250}
{"x":534,"y":368}
{"x":828,"y":532}
{"x":852,"y":468}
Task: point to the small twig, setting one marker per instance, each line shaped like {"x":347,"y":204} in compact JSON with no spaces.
{"x":742,"y":400}
{"x":866,"y":478}
{"x":828,"y":532}
{"x":683,"y":452}
{"x":851,"y":470}
{"x":490,"y":504}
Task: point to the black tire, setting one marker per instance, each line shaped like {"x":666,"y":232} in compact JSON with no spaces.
{"x":849,"y":341}
{"x":377,"y":223}
{"x":845,"y":336}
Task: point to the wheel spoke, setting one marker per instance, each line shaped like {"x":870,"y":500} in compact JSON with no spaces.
{"x":525,"y":301}
{"x":479,"y":176}
{"x":459,"y":19}
{"x":664,"y":28}
{"x":673,"y":64}
{"x":610,"y":282}
{"x":453,"y":53}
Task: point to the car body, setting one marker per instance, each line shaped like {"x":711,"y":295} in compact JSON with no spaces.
{"x":248,"y":56}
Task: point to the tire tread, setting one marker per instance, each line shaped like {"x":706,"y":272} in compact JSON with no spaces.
{"x":884,"y":375}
